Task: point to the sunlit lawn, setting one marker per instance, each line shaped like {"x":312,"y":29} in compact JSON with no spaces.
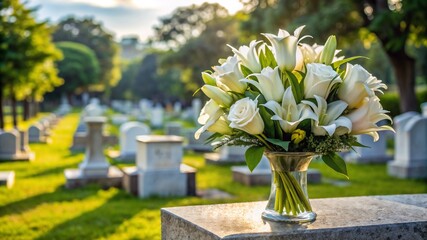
{"x":39,"y":207}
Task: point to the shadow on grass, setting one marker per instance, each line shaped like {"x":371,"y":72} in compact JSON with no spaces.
{"x":51,"y":171}
{"x":104,"y":220}
{"x":59,"y":195}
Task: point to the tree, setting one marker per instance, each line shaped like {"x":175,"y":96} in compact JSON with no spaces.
{"x":186,"y":23}
{"x":27,"y":55}
{"x":396,"y":24}
{"x":79,"y":67}
{"x":92,"y":34}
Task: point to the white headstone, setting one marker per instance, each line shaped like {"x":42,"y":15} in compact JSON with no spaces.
{"x":411,"y":151}
{"x":9,"y":144}
{"x":196,"y":106}
{"x":173,"y":128}
{"x":157,"y":116}
{"x":177,"y":108}
{"x":128,"y":133}
{"x":158,"y":161}
{"x":94,"y":163}
{"x":375,"y":152}
{"x":35,"y":133}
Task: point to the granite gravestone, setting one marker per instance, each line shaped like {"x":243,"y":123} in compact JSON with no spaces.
{"x":128,"y":133}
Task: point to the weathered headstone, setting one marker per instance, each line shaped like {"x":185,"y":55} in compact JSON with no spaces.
{"x":424,"y":109}
{"x":158,"y":161}
{"x":157,"y":116}
{"x":173,"y":128}
{"x":226,"y":155}
{"x":375,"y":152}
{"x":7,"y":178}
{"x":94,"y":168}
{"x":198,"y":145}
{"x":177,"y":108}
{"x":10,"y":147}
{"x":35,"y":134}
{"x":196,"y":106}
{"x":128,"y":133}
{"x":119,"y":119}
{"x":410,"y":159}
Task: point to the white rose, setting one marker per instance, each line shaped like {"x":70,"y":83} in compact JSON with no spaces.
{"x":365,"y":118}
{"x":244,"y":115}
{"x":319,"y":80}
{"x":357,"y":85}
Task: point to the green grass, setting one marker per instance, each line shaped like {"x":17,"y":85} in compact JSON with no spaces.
{"x":39,"y":207}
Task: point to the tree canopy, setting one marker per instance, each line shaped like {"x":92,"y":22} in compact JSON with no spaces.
{"x":79,"y":67}
{"x":92,"y":34}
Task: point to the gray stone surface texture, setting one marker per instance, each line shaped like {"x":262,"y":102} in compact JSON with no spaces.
{"x":7,"y":178}
{"x":94,"y":162}
{"x":162,"y":183}
{"x":410,"y":159}
{"x":375,"y":217}
{"x":159,"y":152}
{"x":128,"y":133}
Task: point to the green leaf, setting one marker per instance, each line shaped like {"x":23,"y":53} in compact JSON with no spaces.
{"x":246,"y":71}
{"x":270,"y":57}
{"x":194,"y":94}
{"x":337,"y":64}
{"x":212,"y":138}
{"x":253,"y":156}
{"x":335,"y":162}
{"x":358,"y":144}
{"x":269,"y":124}
{"x":296,"y":87}
{"x":280,"y":143}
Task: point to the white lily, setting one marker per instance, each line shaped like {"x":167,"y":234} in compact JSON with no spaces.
{"x":366,"y":117}
{"x":357,"y":85}
{"x":311,"y":54}
{"x":248,"y":56}
{"x":269,"y":83}
{"x":209,"y":114}
{"x":328,"y":117}
{"x":285,"y":47}
{"x":228,"y":76}
{"x":289,"y":114}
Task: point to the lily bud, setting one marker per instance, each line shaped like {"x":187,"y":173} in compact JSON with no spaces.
{"x":328,"y":52}
{"x":221,"y":126}
{"x":208,"y":79}
{"x":218,"y":95}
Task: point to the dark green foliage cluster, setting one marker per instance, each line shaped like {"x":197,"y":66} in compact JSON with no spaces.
{"x":79,"y":66}
{"x":327,"y":144}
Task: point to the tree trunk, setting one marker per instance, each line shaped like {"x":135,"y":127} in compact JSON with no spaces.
{"x":26,"y":109}
{"x":1,"y":110}
{"x":14,"y":113}
{"x":404,"y":69}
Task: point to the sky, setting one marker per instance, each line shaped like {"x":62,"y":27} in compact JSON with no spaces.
{"x":121,"y":17}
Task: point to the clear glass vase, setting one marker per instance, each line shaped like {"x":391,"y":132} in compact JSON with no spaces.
{"x":288,"y":201}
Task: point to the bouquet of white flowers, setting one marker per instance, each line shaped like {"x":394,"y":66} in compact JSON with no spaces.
{"x":288,"y":96}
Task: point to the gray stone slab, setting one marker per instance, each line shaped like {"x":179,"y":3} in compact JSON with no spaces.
{"x":337,"y":218}
{"x":75,"y":178}
{"x":7,"y":178}
{"x":243,"y":175}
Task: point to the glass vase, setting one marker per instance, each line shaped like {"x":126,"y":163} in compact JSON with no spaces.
{"x":288,"y":201}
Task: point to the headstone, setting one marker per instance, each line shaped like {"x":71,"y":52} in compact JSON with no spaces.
{"x":85,"y":98}
{"x":261,"y":175}
{"x":131,"y":182}
{"x":128,"y":133}
{"x":226,"y":155}
{"x":7,"y":178}
{"x":127,"y":107}
{"x":65,"y":107}
{"x":44,"y":123}
{"x":119,"y":119}
{"x":373,"y":217}
{"x":424,"y":109}
{"x":198,"y":145}
{"x":10,"y":147}
{"x":94,"y":168}
{"x":411,"y":153}
{"x":173,"y":128}
{"x":177,"y":108}
{"x":196,"y":106}
{"x":24,"y":146}
{"x":375,"y":152}
{"x":157,"y":116}
{"x":35,"y":134}
{"x":158,"y":161}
